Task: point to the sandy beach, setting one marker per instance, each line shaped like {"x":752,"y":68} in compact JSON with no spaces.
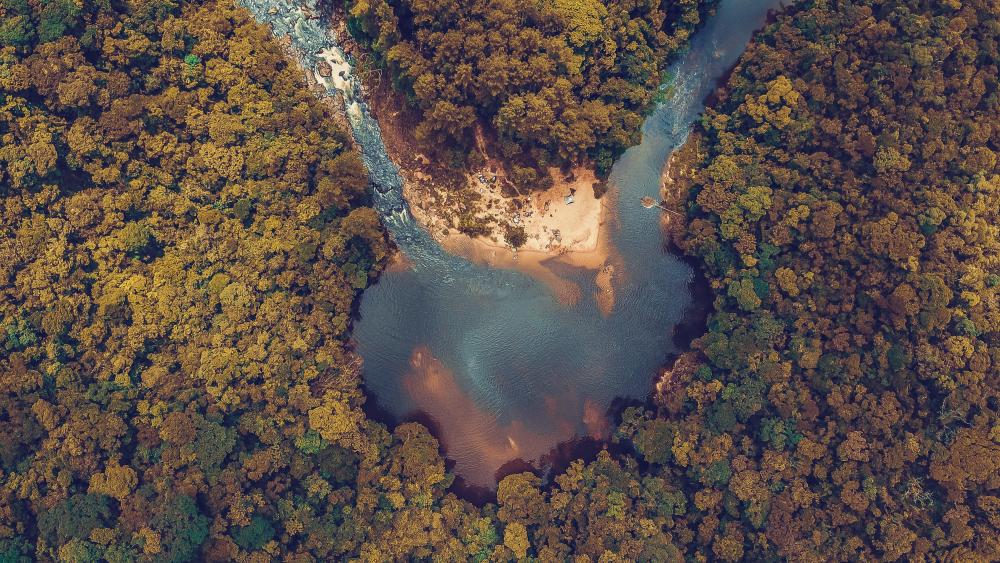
{"x":566,"y":218}
{"x":593,"y":252}
{"x":564,"y":224}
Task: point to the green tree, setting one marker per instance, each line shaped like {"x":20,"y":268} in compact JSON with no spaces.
{"x":74,"y":518}
{"x":255,"y":535}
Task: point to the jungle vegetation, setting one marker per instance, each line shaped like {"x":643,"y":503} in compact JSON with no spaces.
{"x":556,"y":82}
{"x":844,"y":197}
{"x":185,"y":227}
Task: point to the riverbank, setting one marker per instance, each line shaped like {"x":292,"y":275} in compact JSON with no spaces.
{"x":565,"y":225}
{"x":565,"y":218}
{"x":587,"y":245}
{"x":481,"y":203}
{"x":480,"y":200}
{"x":675,"y":186}
{"x":601,"y":258}
{"x":477,"y":213}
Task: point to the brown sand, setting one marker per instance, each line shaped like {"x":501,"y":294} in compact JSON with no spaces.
{"x":555,"y":232}
{"x":537,"y":263}
{"x":550,"y":225}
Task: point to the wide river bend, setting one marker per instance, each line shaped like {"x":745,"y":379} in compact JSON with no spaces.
{"x":503,"y":367}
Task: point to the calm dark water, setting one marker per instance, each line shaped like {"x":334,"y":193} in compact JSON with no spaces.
{"x":503,"y":369}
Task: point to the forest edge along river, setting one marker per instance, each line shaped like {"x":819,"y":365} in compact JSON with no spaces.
{"x":497,"y":364}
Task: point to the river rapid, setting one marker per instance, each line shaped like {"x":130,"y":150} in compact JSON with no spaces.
{"x":500,"y":367}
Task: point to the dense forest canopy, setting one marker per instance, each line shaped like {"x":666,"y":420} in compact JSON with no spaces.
{"x":183,"y":234}
{"x":559,"y":81}
{"x":844,"y":195}
{"x":184,"y":230}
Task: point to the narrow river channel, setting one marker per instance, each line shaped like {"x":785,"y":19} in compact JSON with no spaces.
{"x":503,"y":368}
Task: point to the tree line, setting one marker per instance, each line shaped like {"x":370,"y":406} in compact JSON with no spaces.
{"x":558,"y":82}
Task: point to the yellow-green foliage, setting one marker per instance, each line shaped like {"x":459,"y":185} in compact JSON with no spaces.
{"x":560,"y":81}
{"x":184,"y":230}
{"x":584,"y":20}
{"x":183,"y":233}
{"x":844,"y":202}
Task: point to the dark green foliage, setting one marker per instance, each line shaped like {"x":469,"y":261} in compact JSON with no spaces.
{"x":80,"y":551}
{"x":213,"y":444}
{"x":666,"y":500}
{"x":721,"y":417}
{"x":780,"y":434}
{"x":653,"y":440}
{"x":253,"y":536}
{"x":717,"y":473}
{"x":16,"y":29}
{"x":74,"y":517}
{"x":311,"y":442}
{"x":747,"y":398}
{"x":15,"y":550}
{"x":515,"y":236}
{"x":19,"y":334}
{"x":56,"y":18}
{"x":182,"y":528}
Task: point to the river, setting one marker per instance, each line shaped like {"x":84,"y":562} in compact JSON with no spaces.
{"x":499,"y":367}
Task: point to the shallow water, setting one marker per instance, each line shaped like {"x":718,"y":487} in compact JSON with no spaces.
{"x":501,"y":366}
